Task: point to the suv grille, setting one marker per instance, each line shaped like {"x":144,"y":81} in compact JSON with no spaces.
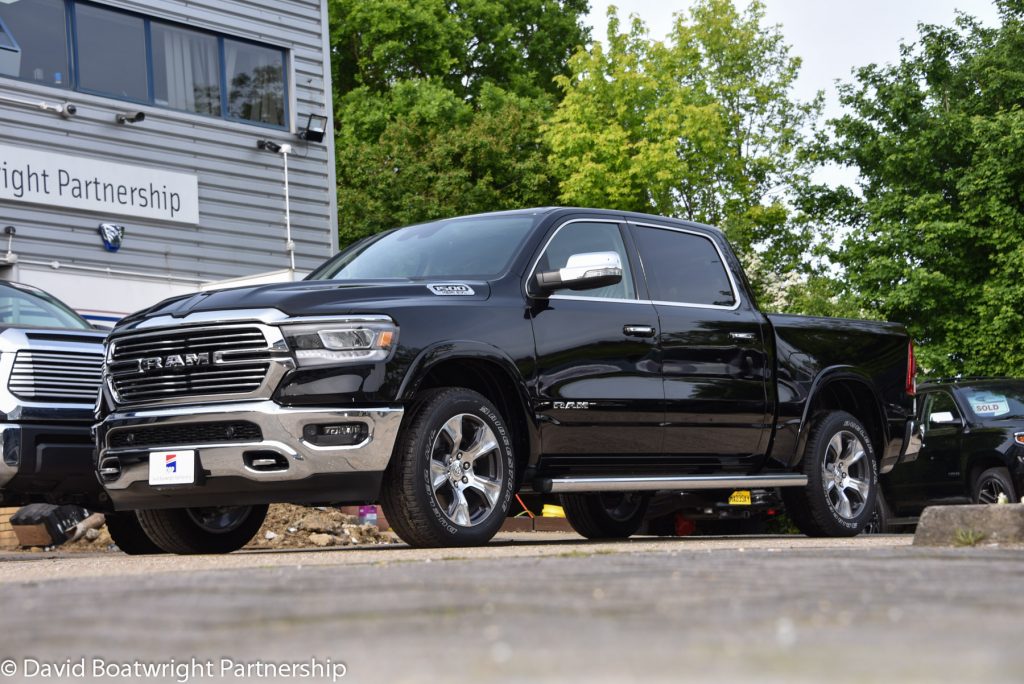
{"x":56,"y":376}
{"x":189,"y":363}
{"x":195,"y":433}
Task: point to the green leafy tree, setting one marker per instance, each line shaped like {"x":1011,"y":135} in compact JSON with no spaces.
{"x":936,"y":235}
{"x":419,"y":152}
{"x":702,"y":126}
{"x":438,"y":105}
{"x":518,"y":45}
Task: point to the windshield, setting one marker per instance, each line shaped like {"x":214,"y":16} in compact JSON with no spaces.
{"x":472,"y":247}
{"x":36,"y":309}
{"x":995,"y":401}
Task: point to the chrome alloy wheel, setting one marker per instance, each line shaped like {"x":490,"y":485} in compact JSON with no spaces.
{"x":846,"y":475}
{"x":989,"y":491}
{"x":466,"y":470}
{"x":219,"y":519}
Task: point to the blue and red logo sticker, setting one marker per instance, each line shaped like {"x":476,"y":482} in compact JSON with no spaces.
{"x":171,"y":463}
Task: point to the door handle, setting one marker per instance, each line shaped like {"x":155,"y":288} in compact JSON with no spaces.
{"x":639,"y":330}
{"x":742,"y":336}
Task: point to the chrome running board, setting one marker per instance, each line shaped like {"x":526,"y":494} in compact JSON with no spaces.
{"x":642,"y":484}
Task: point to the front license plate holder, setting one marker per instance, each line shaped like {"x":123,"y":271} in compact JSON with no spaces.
{"x":172,"y":467}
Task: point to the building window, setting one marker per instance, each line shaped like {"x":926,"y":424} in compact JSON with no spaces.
{"x":186,"y":70}
{"x":255,"y":77}
{"x":130,"y":57}
{"x":111,"y":53}
{"x":34,"y":42}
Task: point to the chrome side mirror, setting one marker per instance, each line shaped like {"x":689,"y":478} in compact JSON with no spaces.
{"x":583,"y":272}
{"x":943,"y":418}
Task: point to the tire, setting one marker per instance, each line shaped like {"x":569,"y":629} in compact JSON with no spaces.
{"x":126,"y":531}
{"x":880,"y":516}
{"x":430,"y":499}
{"x":188,"y":531}
{"x":990,"y":484}
{"x":835,"y":502}
{"x":611,"y":515}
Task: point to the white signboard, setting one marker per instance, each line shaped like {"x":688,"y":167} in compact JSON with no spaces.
{"x":62,"y":180}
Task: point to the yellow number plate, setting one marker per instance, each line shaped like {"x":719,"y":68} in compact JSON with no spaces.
{"x":740,"y":497}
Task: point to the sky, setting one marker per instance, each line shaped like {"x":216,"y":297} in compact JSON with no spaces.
{"x":832,"y":37}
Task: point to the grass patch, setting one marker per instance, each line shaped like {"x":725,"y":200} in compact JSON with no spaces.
{"x":968,"y":537}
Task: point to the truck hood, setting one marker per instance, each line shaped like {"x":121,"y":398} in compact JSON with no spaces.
{"x":318,"y":297}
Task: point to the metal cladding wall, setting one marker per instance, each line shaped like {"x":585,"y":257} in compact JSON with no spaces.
{"x":241,"y":227}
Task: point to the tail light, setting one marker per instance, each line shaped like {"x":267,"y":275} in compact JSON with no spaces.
{"x":911,"y":370}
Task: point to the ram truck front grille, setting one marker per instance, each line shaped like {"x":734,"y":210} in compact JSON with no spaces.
{"x":188,"y":363}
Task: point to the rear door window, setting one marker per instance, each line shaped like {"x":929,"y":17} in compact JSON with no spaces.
{"x":684,"y":268}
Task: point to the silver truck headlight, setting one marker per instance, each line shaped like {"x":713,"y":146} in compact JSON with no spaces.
{"x":324,"y":344}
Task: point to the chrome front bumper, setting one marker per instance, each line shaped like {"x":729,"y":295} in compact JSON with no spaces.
{"x":124,"y":471}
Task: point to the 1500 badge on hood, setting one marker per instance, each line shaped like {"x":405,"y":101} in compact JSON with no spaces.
{"x":451,"y":289}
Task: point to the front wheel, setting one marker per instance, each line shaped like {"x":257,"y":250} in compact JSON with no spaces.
{"x":842,"y":479}
{"x":126,"y":532}
{"x":216,"y":529}
{"x":606,"y":515}
{"x":451,"y":478}
{"x":990,"y":484}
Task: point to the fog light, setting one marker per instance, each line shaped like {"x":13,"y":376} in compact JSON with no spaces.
{"x":336,"y":434}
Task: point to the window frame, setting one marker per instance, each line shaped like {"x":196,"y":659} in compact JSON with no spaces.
{"x":71,"y":33}
{"x":630,"y":257}
{"x":928,"y":400}
{"x":736,"y":293}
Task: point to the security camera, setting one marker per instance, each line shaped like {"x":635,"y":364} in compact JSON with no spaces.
{"x":130,"y":117}
{"x":268,"y":145}
{"x":67,"y":110}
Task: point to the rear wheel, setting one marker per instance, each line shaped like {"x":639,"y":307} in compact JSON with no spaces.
{"x":990,"y":484}
{"x":451,"y":479}
{"x":842,"y":479}
{"x":126,"y":531}
{"x":216,"y":529}
{"x":606,"y":515}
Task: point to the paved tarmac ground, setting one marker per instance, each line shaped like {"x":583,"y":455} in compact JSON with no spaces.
{"x":529,"y":608}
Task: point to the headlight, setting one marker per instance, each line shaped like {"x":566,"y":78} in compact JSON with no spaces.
{"x":323,"y":344}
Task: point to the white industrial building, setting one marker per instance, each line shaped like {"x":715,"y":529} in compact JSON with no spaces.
{"x":145,"y":146}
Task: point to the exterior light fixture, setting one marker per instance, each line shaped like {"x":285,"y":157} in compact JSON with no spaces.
{"x":316,"y":127}
{"x":130,"y":117}
{"x":112,"y":235}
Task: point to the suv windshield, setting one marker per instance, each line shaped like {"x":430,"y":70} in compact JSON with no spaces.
{"x":36,"y":309}
{"x":472,"y":247}
{"x":995,"y":400}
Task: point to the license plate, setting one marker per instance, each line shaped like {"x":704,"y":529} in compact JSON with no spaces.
{"x":172,"y":467}
{"x":741,"y":497}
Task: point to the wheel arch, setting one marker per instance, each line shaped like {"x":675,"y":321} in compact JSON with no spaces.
{"x":979,"y":463}
{"x":844,"y":389}
{"x":484,"y":369}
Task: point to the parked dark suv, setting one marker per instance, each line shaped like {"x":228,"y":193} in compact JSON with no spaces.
{"x":972,"y":447}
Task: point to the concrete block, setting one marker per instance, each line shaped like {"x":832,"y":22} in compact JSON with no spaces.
{"x":523,"y":524}
{"x":551,"y":525}
{"x":971,"y":525}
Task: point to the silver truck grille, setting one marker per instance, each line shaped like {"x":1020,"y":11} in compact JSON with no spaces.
{"x":169,"y":365}
{"x":56,"y":376}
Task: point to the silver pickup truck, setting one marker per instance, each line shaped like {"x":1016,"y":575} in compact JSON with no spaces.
{"x":51,"y":360}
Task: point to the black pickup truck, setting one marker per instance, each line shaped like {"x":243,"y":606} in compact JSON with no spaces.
{"x":440,"y":368}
